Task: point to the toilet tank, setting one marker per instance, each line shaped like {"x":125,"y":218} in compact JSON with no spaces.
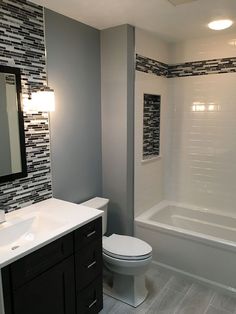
{"x":101,"y":204}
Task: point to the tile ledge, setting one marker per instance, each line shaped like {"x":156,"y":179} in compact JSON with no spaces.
{"x":144,"y":161}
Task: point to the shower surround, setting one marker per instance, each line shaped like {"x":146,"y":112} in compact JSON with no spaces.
{"x":196,"y":83}
{"x":197,"y":168}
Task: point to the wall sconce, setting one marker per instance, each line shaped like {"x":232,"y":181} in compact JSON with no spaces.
{"x":41,"y":100}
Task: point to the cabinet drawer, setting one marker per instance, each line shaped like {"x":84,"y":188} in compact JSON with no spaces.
{"x":88,"y":263}
{"x":39,"y":261}
{"x":88,"y":233}
{"x":90,"y":300}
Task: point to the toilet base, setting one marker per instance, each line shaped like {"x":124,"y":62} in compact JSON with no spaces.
{"x":127,"y":288}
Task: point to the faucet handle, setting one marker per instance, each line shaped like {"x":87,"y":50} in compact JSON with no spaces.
{"x":3,"y":209}
{"x":2,"y":215}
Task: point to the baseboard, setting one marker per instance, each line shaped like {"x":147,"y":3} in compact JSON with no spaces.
{"x":210,"y":283}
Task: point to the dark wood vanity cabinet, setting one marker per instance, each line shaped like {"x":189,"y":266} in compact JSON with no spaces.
{"x":88,"y":270}
{"x":63,"y":277}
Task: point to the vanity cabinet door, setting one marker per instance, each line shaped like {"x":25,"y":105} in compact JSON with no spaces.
{"x":34,"y":264}
{"x":52,"y":292}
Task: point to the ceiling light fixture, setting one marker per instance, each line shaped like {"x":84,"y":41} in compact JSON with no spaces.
{"x":179,"y":2}
{"x":220,"y":24}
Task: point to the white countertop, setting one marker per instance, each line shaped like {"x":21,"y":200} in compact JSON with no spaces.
{"x":40,"y":224}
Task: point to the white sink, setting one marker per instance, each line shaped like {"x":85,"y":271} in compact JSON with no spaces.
{"x":18,"y":231}
{"x":32,"y":227}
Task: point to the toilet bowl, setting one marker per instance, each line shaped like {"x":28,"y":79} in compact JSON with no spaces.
{"x":126,"y":255}
{"x":126,"y":258}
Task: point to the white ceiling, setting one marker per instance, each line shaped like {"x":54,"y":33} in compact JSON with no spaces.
{"x":170,"y":22}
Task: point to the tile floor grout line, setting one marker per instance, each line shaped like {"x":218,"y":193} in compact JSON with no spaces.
{"x":209,"y":304}
{"x":187,"y":292}
{"x":216,"y":308}
{"x":161,"y":293}
{"x":213,"y":298}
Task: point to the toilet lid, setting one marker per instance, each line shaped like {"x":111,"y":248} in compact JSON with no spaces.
{"x":126,"y":247}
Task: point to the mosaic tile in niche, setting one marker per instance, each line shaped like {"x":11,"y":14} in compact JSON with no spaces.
{"x":151,"y":125}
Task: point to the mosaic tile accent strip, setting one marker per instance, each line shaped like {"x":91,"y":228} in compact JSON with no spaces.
{"x":151,"y":126}
{"x":22,"y":45}
{"x":215,"y":66}
{"x":205,"y":67}
{"x":148,"y":65}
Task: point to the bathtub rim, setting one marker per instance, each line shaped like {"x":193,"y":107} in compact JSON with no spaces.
{"x":144,"y":220}
{"x":156,"y":208}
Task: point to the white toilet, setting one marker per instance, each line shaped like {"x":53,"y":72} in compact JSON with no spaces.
{"x":127,"y":258}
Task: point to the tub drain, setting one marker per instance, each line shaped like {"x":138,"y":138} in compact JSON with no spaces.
{"x":15,"y":247}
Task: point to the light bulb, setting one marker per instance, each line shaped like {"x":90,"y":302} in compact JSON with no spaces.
{"x":220,"y":24}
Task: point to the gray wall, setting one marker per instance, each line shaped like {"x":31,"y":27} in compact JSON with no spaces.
{"x":73,"y":56}
{"x":117,"y":73}
{"x":5,"y":155}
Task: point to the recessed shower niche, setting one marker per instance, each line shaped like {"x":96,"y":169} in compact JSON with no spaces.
{"x":151,"y":126}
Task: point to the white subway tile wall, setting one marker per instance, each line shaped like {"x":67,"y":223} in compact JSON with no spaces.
{"x":150,"y":45}
{"x":198,"y":123}
{"x":149,"y":175}
{"x":202,"y":168}
{"x":215,"y":47}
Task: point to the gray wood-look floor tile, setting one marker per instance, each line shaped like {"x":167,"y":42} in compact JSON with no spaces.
{"x":224,"y":302}
{"x":180,"y":284}
{"x":173,"y":294}
{"x":213,"y":310}
{"x":120,"y":307}
{"x":167,"y":303}
{"x":158,"y":277}
{"x":108,"y":303}
{"x":196,"y":300}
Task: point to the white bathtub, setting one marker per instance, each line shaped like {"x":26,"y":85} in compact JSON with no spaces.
{"x":198,"y":242}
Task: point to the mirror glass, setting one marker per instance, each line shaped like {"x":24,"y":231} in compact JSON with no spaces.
{"x":12,"y":141}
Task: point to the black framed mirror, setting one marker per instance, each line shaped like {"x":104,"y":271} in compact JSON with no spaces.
{"x":12,"y":137}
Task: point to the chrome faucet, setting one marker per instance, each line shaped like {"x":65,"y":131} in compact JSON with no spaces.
{"x":2,"y":214}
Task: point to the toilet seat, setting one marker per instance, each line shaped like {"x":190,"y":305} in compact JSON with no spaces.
{"x":127,"y":265}
{"x":126,"y":248}
{"x":128,"y":258}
